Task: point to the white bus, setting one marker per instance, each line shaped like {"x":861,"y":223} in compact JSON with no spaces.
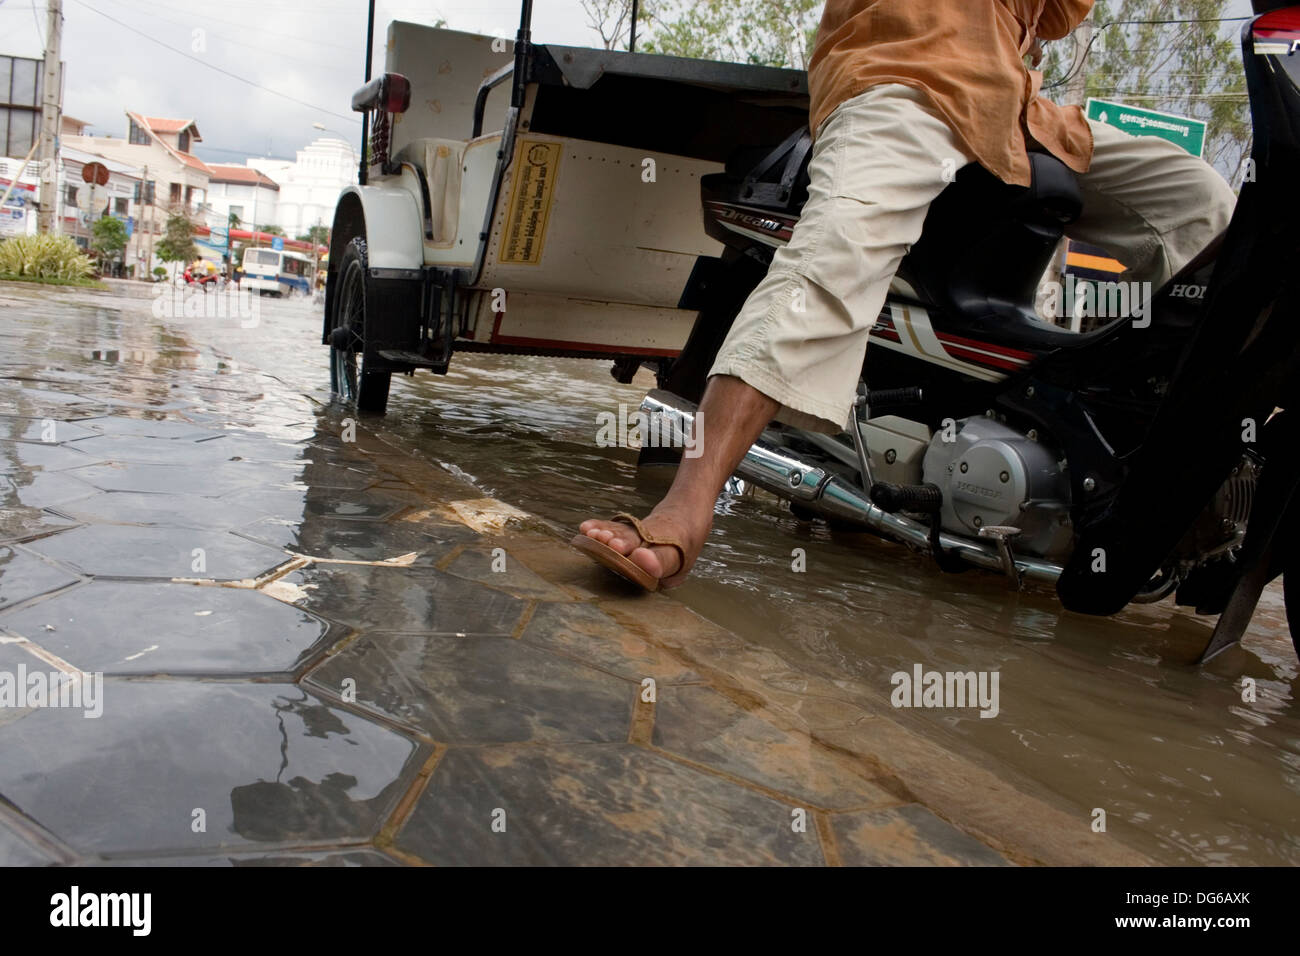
{"x":278,"y":273}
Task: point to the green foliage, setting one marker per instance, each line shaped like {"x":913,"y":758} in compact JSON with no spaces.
{"x":109,"y":238}
{"x":1190,"y":68}
{"x":44,"y":257}
{"x":271,"y":230}
{"x":319,"y":235}
{"x":159,"y":273}
{"x":177,"y":243}
{"x":764,"y":32}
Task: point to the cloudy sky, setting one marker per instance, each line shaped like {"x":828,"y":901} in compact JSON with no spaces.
{"x":310,"y":51}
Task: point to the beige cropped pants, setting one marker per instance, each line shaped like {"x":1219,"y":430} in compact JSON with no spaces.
{"x":878,"y":162}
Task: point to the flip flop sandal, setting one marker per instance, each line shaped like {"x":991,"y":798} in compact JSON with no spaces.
{"x":622,"y":565}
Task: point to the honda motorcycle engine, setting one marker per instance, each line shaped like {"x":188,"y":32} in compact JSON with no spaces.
{"x":992,"y":475}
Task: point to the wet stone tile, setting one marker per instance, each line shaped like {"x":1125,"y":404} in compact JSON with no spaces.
{"x":702,"y":725}
{"x":339,"y":475}
{"x":17,"y":850}
{"x":171,"y":511}
{"x":44,"y":490}
{"x":486,"y":690}
{"x":43,"y":429}
{"x":135,"y":449}
{"x":22,"y":456}
{"x":266,"y":763}
{"x":907,"y":836}
{"x":188,"y":630}
{"x":149,"y":428}
{"x":585,"y":632}
{"x":126,"y":551}
{"x":23,"y":576}
{"x":212,"y":481}
{"x":411,"y":600}
{"x":611,"y":805}
{"x":356,"y":540}
{"x":492,"y":565}
{"x":20,"y":524}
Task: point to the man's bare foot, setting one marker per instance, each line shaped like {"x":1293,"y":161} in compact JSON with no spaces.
{"x":659,"y":561}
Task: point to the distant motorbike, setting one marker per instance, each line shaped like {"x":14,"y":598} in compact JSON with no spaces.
{"x":205,"y":281}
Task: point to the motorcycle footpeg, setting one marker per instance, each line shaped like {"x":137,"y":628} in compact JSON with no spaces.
{"x":892,"y":498}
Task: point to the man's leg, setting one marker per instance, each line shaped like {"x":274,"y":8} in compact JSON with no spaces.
{"x":736,"y":414}
{"x":796,"y":349}
{"x":1153,"y":205}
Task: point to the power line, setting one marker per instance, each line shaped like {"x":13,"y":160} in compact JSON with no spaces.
{"x":1112,"y":23}
{"x":37,"y":20}
{"x":213,"y":66}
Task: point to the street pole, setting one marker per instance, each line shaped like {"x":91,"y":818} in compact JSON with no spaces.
{"x":50,"y":97}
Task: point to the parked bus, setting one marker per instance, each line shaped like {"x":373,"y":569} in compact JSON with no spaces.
{"x":279,"y":273}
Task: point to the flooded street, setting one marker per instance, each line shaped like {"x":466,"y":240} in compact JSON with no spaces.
{"x":1102,"y":713}
{"x":1093,"y":713}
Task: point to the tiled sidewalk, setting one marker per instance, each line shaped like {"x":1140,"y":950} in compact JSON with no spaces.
{"x":326,"y":652}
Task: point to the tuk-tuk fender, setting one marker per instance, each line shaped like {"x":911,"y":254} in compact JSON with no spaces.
{"x":387,"y":215}
{"x":391,"y":225}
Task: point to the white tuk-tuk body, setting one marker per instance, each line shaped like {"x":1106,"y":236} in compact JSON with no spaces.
{"x":584,"y":241}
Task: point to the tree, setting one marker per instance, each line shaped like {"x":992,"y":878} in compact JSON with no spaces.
{"x":764,"y":32}
{"x":109,"y":239}
{"x":1191,"y":67}
{"x":177,"y":243}
{"x":612,"y":20}
{"x":271,"y":230}
{"x":316,"y":235}
{"x":233,"y":221}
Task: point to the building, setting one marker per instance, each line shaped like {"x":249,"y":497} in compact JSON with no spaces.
{"x":177,"y":179}
{"x":310,"y":185}
{"x":80,"y":203}
{"x":247,"y":193}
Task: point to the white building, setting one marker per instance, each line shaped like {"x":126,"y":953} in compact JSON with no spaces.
{"x":251,"y":195}
{"x":309,"y":186}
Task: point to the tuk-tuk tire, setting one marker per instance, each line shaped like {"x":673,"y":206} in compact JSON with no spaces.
{"x":371,"y":386}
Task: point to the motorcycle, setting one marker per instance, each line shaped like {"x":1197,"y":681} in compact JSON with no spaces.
{"x":207,"y":281}
{"x":1152,"y":457}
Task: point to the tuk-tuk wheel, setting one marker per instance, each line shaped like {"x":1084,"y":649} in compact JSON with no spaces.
{"x":366,"y":390}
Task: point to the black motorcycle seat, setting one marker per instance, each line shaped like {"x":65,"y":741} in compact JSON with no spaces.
{"x":985,"y":247}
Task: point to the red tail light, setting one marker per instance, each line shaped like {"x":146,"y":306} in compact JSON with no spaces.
{"x":1278,"y":33}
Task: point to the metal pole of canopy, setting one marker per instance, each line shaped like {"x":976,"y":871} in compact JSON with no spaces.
{"x":631,"y":39}
{"x":522,"y":43}
{"x":365,"y":117}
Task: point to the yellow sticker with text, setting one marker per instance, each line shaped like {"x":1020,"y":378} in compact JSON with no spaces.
{"x":530,"y":202}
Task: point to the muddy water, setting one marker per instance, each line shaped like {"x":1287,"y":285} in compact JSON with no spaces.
{"x":1093,"y":713}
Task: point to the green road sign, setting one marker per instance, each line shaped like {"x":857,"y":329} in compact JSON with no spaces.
{"x":1179,"y":130}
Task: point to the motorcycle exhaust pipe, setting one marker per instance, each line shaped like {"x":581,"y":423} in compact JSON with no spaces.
{"x":787,"y":476}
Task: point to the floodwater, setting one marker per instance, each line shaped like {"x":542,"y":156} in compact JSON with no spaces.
{"x":1093,"y":713}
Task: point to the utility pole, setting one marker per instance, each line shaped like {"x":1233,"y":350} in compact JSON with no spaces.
{"x":51,"y":95}
{"x":146,"y":193}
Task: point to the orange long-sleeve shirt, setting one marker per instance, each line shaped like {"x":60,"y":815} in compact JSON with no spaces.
{"x":967,"y":57}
